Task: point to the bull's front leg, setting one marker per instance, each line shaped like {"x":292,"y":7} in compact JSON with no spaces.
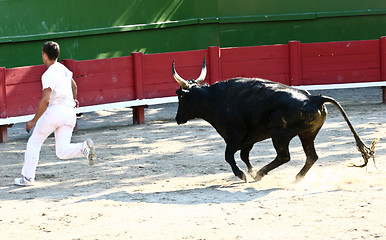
{"x":230,"y":158}
{"x":244,"y":155}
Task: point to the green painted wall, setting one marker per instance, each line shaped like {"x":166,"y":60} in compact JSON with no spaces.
{"x":90,"y":29}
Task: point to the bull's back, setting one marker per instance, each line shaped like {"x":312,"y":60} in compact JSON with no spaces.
{"x":252,"y":96}
{"x":259,"y":105}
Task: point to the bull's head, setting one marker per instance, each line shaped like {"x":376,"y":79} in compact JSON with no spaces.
{"x":187,"y":96}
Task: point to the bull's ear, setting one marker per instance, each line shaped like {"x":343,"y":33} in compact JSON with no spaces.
{"x":181,"y":91}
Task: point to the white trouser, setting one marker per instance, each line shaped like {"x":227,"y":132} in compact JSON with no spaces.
{"x":58,"y":119}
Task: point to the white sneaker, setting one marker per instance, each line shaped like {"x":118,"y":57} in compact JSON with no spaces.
{"x":23,"y":181}
{"x":88,"y":151}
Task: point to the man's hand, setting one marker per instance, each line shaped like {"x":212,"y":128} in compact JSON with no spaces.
{"x":29,"y":125}
{"x":76,"y":103}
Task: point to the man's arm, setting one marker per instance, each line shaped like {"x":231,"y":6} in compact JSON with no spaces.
{"x":41,"y":108}
{"x":74,"y":91}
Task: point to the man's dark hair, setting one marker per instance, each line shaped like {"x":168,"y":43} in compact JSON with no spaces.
{"x":51,"y":49}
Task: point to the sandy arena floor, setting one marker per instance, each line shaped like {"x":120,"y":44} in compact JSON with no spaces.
{"x":163,"y":181}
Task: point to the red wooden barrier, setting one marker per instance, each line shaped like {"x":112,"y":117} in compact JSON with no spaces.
{"x":215,"y":64}
{"x":295,"y":63}
{"x":3,"y":105}
{"x":104,"y":80}
{"x":138,"y":75}
{"x":149,"y":76}
{"x":138,"y":111}
{"x":3,"y":94}
{"x":23,"y":89}
{"x":270,"y":62}
{"x":341,"y":62}
{"x":383,"y":64}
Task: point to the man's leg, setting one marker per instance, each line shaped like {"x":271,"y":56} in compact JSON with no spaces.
{"x":64,"y":148}
{"x":31,"y":157}
{"x":67,"y":150}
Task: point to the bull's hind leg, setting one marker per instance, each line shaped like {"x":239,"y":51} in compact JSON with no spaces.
{"x":307,"y":137}
{"x":281,"y":145}
{"x":244,"y":155}
{"x":309,"y":149}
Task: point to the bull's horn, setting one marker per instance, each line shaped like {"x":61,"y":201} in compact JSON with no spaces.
{"x":184,"y":84}
{"x":202,"y":76}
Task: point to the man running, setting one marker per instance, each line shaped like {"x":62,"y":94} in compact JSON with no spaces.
{"x":56,"y":113}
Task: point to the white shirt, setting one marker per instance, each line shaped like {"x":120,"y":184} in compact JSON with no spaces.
{"x":59,"y":79}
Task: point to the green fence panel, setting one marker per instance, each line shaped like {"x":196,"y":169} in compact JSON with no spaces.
{"x":92,"y":29}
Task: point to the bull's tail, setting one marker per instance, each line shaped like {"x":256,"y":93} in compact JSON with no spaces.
{"x":367,"y":152}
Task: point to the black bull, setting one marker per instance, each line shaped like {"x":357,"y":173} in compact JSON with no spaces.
{"x":248,"y":110}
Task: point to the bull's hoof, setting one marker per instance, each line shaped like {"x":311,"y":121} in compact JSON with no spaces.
{"x":252,"y":172}
{"x":299,"y":177}
{"x":259,"y":176}
{"x":243,"y":176}
{"x":245,"y":179}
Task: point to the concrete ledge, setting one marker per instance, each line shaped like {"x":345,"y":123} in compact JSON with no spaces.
{"x":94,"y":108}
{"x":341,"y":86}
